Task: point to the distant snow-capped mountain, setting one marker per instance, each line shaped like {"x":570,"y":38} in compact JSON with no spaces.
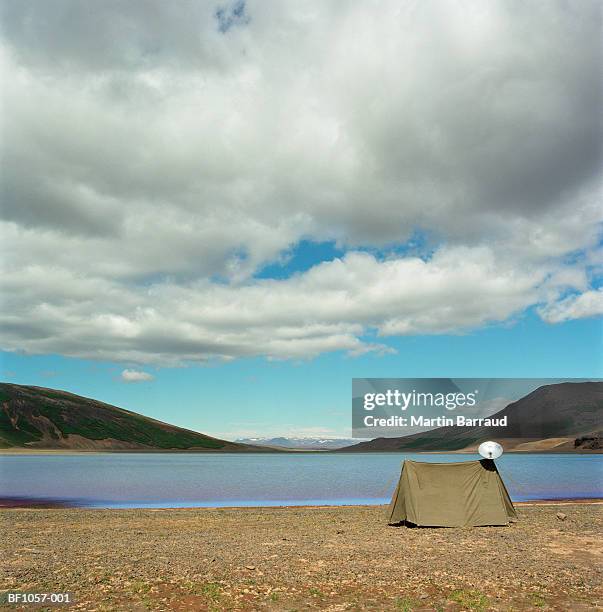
{"x":300,"y":443}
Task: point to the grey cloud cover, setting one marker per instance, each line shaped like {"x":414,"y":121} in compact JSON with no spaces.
{"x":146,"y":154}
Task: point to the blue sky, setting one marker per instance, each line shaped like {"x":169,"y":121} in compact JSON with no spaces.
{"x":217,"y":215}
{"x":313,"y":397}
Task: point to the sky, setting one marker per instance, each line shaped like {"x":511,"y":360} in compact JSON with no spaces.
{"x":217,"y":214}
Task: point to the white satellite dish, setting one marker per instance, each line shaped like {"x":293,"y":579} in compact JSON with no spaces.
{"x":490,"y":450}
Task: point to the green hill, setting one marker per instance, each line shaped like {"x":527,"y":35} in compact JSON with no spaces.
{"x":35,"y":417}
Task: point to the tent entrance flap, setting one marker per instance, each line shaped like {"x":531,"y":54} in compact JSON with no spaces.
{"x":469,"y":493}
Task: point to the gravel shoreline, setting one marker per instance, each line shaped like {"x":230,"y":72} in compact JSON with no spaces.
{"x":303,"y":558}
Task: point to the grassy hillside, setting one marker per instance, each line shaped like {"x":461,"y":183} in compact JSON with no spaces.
{"x":36,"y":417}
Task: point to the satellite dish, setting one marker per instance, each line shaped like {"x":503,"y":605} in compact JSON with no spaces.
{"x":490,"y":450}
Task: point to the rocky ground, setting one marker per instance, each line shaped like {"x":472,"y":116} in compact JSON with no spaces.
{"x":302,"y":559}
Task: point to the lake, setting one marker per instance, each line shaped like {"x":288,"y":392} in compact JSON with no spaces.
{"x":126,"y":480}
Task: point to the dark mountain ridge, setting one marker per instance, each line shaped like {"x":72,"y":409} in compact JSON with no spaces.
{"x":549,"y":418}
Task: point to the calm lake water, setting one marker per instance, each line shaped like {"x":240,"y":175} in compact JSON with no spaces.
{"x":181,"y":480}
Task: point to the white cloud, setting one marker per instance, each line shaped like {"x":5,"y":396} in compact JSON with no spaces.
{"x":136,"y":376}
{"x":587,"y":304}
{"x":152,"y":165}
{"x":330,"y":307}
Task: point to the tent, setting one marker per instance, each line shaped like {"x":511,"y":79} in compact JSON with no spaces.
{"x":468,"y":493}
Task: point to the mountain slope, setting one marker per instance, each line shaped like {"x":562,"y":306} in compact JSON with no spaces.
{"x":560,"y":412}
{"x":35,"y":417}
{"x":299,"y":443}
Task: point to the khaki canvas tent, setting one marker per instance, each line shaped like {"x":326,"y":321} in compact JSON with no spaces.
{"x":469,"y":493}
